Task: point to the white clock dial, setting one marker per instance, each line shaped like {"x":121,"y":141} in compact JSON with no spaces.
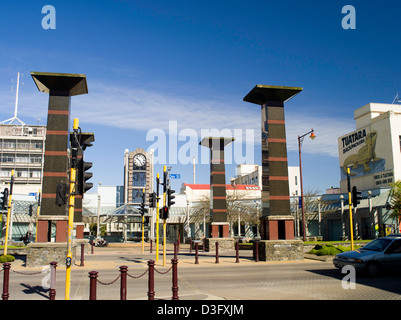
{"x":139,"y":160}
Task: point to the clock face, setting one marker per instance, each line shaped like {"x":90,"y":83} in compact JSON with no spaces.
{"x":139,"y":160}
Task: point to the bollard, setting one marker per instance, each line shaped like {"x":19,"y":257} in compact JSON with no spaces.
{"x":237,"y":252}
{"x":6,"y":279}
{"x":204,"y":244}
{"x":82,"y":254}
{"x":52,"y":293}
{"x":190,"y":245}
{"x":151,"y":280}
{"x":151,"y":246}
{"x":92,"y":246}
{"x":196,"y":253}
{"x":92,"y":285}
{"x":217,"y":252}
{"x":123,"y":285}
{"x":174,"y":288}
{"x":175,"y":250}
{"x":256,"y":251}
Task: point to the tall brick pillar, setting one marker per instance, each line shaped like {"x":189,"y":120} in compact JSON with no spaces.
{"x":60,"y":87}
{"x":218,"y":211}
{"x":277,"y":223}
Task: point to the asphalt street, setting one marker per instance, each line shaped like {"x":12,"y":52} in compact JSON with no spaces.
{"x":227,"y":280}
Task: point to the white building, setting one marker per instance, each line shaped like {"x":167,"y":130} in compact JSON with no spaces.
{"x":251,"y":174}
{"x":373,"y":150}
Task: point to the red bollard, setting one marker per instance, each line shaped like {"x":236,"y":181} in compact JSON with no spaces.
{"x":151,"y":280}
{"x":6,"y":279}
{"x":92,"y":285}
{"x":256,"y":251}
{"x":175,"y":250}
{"x":204,"y":244}
{"x":217,"y":252}
{"x":237,"y":252}
{"x":190,"y":245}
{"x":174,"y":288}
{"x":52,"y":293}
{"x":151,"y":246}
{"x":82,"y":254}
{"x":196,"y":253}
{"x":123,"y":285}
{"x":92,"y":245}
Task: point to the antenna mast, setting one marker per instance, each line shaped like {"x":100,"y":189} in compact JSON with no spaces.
{"x":11,"y":120}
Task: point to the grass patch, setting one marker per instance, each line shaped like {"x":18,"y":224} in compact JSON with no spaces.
{"x":6,"y":258}
{"x":330,"y":250}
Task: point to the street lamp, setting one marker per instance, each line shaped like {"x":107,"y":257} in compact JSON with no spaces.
{"x":300,"y":140}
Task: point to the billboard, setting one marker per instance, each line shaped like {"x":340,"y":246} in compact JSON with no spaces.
{"x":368,"y":154}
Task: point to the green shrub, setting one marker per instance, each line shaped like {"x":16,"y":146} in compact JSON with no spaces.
{"x":329,"y":250}
{"x":6,"y":258}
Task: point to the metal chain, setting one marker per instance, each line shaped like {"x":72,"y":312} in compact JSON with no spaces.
{"x":138,"y":276}
{"x":109,"y":283}
{"x":160,"y":272}
{"x":26,"y":273}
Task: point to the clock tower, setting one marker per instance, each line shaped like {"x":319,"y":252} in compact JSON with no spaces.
{"x":138,"y":175}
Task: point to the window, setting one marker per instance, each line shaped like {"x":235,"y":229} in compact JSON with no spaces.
{"x":400,"y":142}
{"x":139,"y":179}
{"x":137,"y":195}
{"x":296,"y":180}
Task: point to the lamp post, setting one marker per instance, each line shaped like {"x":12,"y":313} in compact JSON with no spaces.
{"x":300,"y":140}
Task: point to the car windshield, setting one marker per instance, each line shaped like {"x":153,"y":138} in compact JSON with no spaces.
{"x":377,"y":245}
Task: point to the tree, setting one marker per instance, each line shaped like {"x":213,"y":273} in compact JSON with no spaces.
{"x":394,"y":200}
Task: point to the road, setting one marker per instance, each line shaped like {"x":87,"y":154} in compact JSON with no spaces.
{"x":228,"y":280}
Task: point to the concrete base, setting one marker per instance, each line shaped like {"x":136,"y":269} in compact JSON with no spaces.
{"x":281,"y":250}
{"x":224,"y":244}
{"x":40,"y":254}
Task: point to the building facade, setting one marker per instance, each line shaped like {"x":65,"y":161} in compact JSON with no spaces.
{"x":138,"y":175}
{"x":22,"y":150}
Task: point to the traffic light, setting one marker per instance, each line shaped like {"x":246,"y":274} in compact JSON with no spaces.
{"x":61,"y":194}
{"x":4,"y":199}
{"x":356,"y":198}
{"x":142,"y":209}
{"x":82,"y":176}
{"x":152,"y":200}
{"x":170,"y":197}
{"x":164,"y":212}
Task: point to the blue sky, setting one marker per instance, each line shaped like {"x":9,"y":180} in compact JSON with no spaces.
{"x":151,"y":62}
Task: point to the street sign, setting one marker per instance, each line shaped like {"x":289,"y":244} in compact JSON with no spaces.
{"x":300,"y":202}
{"x":175,"y":176}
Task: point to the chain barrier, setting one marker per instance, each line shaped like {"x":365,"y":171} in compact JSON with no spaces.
{"x":161,"y":272}
{"x":26,"y":273}
{"x":137,"y":277}
{"x":109,"y":283}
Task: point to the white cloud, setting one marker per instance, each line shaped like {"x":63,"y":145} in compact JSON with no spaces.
{"x":142,"y":109}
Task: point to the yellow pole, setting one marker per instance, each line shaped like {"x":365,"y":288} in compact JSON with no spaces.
{"x":351,"y":225}
{"x":164,"y":220}
{"x":8,"y":214}
{"x":143,"y":228}
{"x":73,"y":174}
{"x":157,"y":223}
{"x":37,"y":217}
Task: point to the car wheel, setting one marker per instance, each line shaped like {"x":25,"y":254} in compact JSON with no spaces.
{"x":373,"y":269}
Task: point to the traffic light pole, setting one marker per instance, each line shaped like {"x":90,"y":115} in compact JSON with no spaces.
{"x":351,"y":225}
{"x":157,"y":216}
{"x":143,"y":220}
{"x":9,"y":211}
{"x":164,"y":220}
{"x":73,"y":175}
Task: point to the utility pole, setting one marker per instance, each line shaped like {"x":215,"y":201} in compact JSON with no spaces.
{"x":9,"y":211}
{"x":351,"y":225}
{"x":71,"y":204}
